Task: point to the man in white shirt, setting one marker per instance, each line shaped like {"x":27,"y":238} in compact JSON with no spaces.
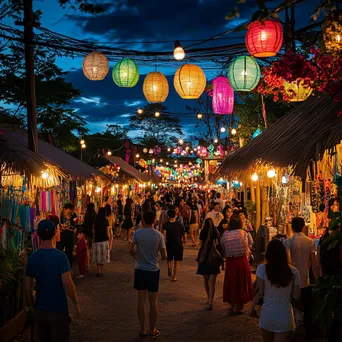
{"x":302,"y":253}
{"x":215,"y":215}
{"x":220,"y":201}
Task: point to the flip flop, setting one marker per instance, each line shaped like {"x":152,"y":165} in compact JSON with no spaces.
{"x":155,"y":334}
{"x":210,"y":307}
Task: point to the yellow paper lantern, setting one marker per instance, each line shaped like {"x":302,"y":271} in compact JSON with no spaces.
{"x":189,"y":81}
{"x":297,"y":91}
{"x":95,"y":66}
{"x":155,"y":87}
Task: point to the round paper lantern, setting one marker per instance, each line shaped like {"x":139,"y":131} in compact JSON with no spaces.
{"x":189,"y":81}
{"x":95,"y":66}
{"x":155,"y":87}
{"x":244,"y":73}
{"x":297,"y":91}
{"x":264,"y":39}
{"x":332,"y":32}
{"x":125,"y":73}
{"x":223,"y":96}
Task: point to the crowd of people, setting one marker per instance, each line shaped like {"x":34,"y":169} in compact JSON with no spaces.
{"x":158,"y":226}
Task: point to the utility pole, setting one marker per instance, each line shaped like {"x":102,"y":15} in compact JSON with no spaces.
{"x":30,"y":82}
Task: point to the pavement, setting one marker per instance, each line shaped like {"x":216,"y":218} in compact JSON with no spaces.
{"x":109,"y":306}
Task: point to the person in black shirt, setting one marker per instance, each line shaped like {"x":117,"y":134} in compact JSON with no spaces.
{"x":175,"y":238}
{"x":100,"y":250}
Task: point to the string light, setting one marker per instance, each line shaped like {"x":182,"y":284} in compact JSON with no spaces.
{"x":157,"y":114}
{"x":178,"y":52}
{"x":199,"y":116}
{"x":137,"y":155}
{"x":271,"y":173}
{"x":215,"y":141}
{"x":109,"y":153}
{"x":223,"y":129}
{"x":82,"y":142}
{"x":140,"y":111}
{"x":83,"y":146}
{"x":234,"y":131}
{"x":44,"y":175}
{"x":181,"y":141}
{"x":168,"y":149}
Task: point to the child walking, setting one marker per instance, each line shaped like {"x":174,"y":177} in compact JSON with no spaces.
{"x":82,"y":254}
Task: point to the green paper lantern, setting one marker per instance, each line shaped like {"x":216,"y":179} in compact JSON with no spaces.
{"x":125,"y":73}
{"x":244,"y":73}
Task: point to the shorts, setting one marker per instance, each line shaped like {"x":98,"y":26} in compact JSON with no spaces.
{"x":146,"y":280}
{"x":194,"y":227}
{"x":175,"y":254}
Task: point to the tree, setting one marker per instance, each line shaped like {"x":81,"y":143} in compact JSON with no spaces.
{"x":56,"y":118}
{"x":163,"y":130}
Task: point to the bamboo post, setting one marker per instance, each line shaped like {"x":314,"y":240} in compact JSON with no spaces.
{"x":257,"y":206}
{"x":264,"y":203}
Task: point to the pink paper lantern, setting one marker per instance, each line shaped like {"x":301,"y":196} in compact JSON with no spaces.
{"x":223,"y":96}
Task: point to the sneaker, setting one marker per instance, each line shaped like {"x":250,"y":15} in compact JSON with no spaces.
{"x":81,"y":276}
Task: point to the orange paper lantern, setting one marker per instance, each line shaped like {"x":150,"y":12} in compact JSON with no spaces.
{"x":264,"y":39}
{"x":156,"y":87}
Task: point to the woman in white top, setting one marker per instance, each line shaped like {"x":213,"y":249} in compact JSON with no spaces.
{"x":278,"y":284}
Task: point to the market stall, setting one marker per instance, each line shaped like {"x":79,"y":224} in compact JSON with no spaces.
{"x":292,"y":168}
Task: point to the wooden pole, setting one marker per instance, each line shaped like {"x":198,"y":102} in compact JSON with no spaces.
{"x":30,"y":81}
{"x":257,"y":206}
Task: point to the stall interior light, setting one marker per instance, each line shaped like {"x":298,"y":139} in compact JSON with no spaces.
{"x":271,"y":173}
{"x":255,"y":177}
{"x":98,"y":189}
{"x":284,"y":179}
{"x":44,"y":175}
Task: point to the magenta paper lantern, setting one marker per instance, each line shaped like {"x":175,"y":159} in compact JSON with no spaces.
{"x":223,"y":96}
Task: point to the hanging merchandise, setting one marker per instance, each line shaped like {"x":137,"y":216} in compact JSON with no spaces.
{"x":332,"y":32}
{"x":297,"y":91}
{"x":189,"y":81}
{"x":125,"y":73}
{"x":244,"y":73}
{"x":223,"y":96}
{"x":95,"y":66}
{"x":155,"y":87}
{"x":264,"y":39}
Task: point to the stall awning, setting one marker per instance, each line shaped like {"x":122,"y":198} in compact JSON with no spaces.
{"x":140,"y":177}
{"x":55,"y":156}
{"x":302,"y":135}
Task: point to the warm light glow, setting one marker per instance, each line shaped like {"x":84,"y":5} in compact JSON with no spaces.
{"x":161,"y":160}
{"x":178,"y":53}
{"x":181,"y":141}
{"x":98,"y":189}
{"x":150,"y":151}
{"x":140,"y":111}
{"x":234,"y":131}
{"x":195,"y":149}
{"x":167,"y":163}
{"x":168,"y":149}
{"x":191,"y":151}
{"x":137,"y":155}
{"x":145,"y":150}
{"x":338,"y":38}
{"x":187,"y":148}
{"x":271,"y":173}
{"x":223,"y":129}
{"x":153,"y":160}
{"x":109,"y":153}
{"x":263,"y":35}
{"x":284,"y":179}
{"x":44,"y":175}
{"x":199,"y":116}
{"x":215,"y":141}
{"x":255,"y":177}
{"x":82,"y":142}
{"x":157,"y":114}
{"x":83,"y":145}
{"x":244,"y":73}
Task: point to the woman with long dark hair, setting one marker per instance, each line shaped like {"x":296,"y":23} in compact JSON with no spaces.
{"x":206,"y":270}
{"x":128,"y":224}
{"x":236,"y":244}
{"x":88,"y":225}
{"x":100,"y":249}
{"x":278,"y":284}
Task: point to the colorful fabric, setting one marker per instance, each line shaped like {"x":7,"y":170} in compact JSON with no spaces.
{"x":236,"y":243}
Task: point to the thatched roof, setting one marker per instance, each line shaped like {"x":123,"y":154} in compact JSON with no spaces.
{"x":18,"y":142}
{"x":302,"y":135}
{"x":133,"y":172}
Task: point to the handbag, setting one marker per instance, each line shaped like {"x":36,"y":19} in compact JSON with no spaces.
{"x":214,"y":257}
{"x":204,"y":250}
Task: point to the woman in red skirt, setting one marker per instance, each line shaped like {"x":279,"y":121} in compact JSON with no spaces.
{"x":236,"y":244}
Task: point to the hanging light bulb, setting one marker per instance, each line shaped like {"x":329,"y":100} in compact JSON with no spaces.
{"x":199,"y":116}
{"x":271,"y":173}
{"x":284,"y":179}
{"x":233,"y":131}
{"x":137,"y":156}
{"x":255,"y":177}
{"x":223,"y":129}
{"x":178,"y":52}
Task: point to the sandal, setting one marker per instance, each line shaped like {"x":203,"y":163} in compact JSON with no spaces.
{"x":210,"y":307}
{"x":155,"y":334}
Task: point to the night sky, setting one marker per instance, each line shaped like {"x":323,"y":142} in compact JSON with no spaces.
{"x":127,"y":21}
